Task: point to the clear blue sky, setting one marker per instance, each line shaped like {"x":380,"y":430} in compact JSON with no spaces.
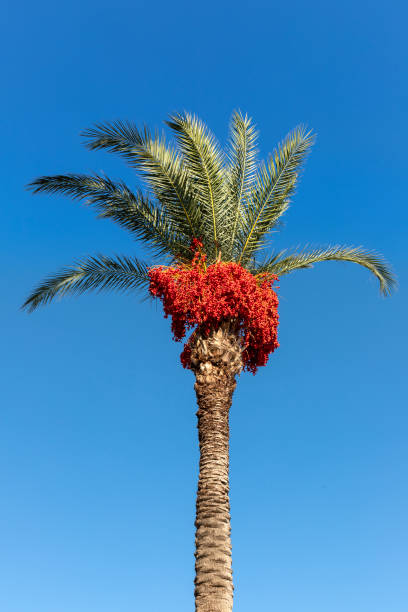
{"x":98,"y":441}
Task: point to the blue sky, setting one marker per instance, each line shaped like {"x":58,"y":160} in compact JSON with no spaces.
{"x":98,"y":441}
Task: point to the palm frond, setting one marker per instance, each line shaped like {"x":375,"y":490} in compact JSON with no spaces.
{"x":284,"y":262}
{"x":195,"y":191}
{"x":242,"y":167}
{"x":274,"y":185}
{"x":114,"y":200}
{"x":205,"y":162}
{"x":117,"y":136}
{"x":89,"y":274}
{"x":160,"y":166}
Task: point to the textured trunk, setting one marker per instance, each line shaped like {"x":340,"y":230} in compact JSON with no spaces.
{"x":215,"y":360}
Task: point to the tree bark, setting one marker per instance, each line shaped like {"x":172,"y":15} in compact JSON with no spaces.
{"x":215,"y":360}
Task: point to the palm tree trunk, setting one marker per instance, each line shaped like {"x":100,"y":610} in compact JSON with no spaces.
{"x":215,"y":360}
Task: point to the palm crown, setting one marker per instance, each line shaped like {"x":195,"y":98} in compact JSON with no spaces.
{"x":194,"y":190}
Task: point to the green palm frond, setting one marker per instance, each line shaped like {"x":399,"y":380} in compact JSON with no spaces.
{"x":162,"y":167}
{"x":116,"y":201}
{"x":270,"y":196}
{"x":120,"y":137}
{"x":99,"y":273}
{"x":242,"y":168}
{"x":194,"y":191}
{"x":117,"y":136}
{"x":283,"y":262}
{"x":206,"y":165}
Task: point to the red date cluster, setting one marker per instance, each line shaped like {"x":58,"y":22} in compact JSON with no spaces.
{"x":205,"y":296}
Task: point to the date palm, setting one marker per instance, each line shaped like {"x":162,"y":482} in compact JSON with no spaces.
{"x":231,"y":203}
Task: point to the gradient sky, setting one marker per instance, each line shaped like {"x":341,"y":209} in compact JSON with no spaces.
{"x":98,"y":441}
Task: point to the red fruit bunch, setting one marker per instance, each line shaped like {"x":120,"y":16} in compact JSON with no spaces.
{"x":205,"y":296}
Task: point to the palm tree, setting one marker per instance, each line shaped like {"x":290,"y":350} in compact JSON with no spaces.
{"x":227,"y":203}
